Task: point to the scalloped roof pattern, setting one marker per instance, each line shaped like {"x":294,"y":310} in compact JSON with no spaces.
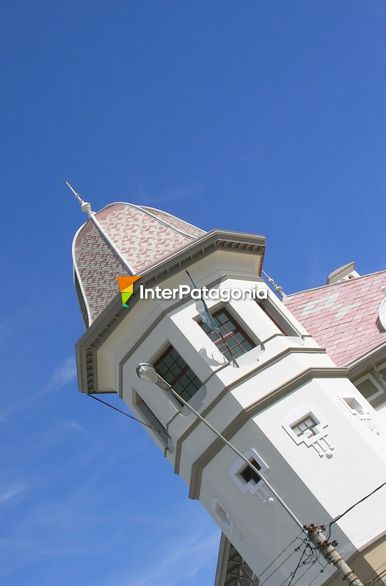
{"x":143,"y":236}
{"x":343,"y":317}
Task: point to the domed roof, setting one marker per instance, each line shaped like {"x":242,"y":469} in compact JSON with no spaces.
{"x":122,"y":239}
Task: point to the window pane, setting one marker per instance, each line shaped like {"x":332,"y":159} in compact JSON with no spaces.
{"x":308,"y":423}
{"x":367,"y":388}
{"x":248,"y":474}
{"x":229,"y":338}
{"x":246,"y":346}
{"x":354,"y":404}
{"x":173,"y":368}
{"x":220,"y":316}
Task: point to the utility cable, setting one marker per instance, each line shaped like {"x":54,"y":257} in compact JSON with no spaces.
{"x":356,"y":504}
{"x":293,"y":574}
{"x":128,"y":415}
{"x":305,"y":571}
{"x":278,"y":568}
{"x":280,"y":554}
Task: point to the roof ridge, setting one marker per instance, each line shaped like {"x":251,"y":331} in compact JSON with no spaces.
{"x":329,"y":285}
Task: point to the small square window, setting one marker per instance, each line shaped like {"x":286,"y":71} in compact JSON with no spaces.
{"x":369,"y":387}
{"x":354,"y":404}
{"x":306,"y":424}
{"x":248,"y":474}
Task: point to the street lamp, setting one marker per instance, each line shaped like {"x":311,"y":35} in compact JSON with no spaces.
{"x":148,"y":373}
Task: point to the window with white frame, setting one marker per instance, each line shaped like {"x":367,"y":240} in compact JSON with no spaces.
{"x":308,"y":426}
{"x":360,"y":410}
{"x":248,"y":474}
{"x":354,"y":405}
{"x":247,"y":479}
{"x":305,"y":426}
{"x":370,"y":387}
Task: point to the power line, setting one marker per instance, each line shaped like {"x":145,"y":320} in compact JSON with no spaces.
{"x":128,"y":415}
{"x":315,"y":554}
{"x":293,"y":574}
{"x":307,"y":570}
{"x":312,"y":554}
{"x":278,"y":568}
{"x":279,"y":555}
{"x":357,"y":503}
{"x":329,"y":552}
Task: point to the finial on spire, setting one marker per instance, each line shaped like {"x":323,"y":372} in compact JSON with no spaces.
{"x":275,"y":286}
{"x":84,"y":205}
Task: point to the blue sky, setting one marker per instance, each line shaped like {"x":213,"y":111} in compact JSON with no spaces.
{"x":265,"y":117}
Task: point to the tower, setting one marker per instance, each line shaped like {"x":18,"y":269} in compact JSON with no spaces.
{"x":260,"y":379}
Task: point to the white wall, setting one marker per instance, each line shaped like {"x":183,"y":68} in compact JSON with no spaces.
{"x":317,"y":488}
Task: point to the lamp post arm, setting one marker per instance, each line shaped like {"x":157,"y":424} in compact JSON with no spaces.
{"x":166,"y":386}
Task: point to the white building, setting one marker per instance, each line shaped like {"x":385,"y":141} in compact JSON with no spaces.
{"x":287,"y":402}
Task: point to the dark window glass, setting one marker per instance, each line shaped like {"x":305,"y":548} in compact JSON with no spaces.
{"x":306,"y":424}
{"x":248,"y":474}
{"x":228,"y":334}
{"x":177,"y":373}
{"x":367,"y":388}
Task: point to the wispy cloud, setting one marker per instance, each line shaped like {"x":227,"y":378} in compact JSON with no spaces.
{"x":63,"y":374}
{"x":74,"y":425}
{"x":186,"y":558}
{"x":11,"y":492}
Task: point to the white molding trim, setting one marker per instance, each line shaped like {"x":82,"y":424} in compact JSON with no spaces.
{"x":359,"y":409}
{"x":318,"y":440}
{"x":258,"y":488}
{"x":374,"y":381}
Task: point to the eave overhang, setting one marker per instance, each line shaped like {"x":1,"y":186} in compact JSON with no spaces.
{"x":88,"y":345}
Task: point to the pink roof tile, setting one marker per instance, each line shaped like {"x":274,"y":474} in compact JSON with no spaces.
{"x":343,"y":317}
{"x":143,"y":236}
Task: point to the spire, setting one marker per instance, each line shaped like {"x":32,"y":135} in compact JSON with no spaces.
{"x":87,"y":209}
{"x":84,"y":205}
